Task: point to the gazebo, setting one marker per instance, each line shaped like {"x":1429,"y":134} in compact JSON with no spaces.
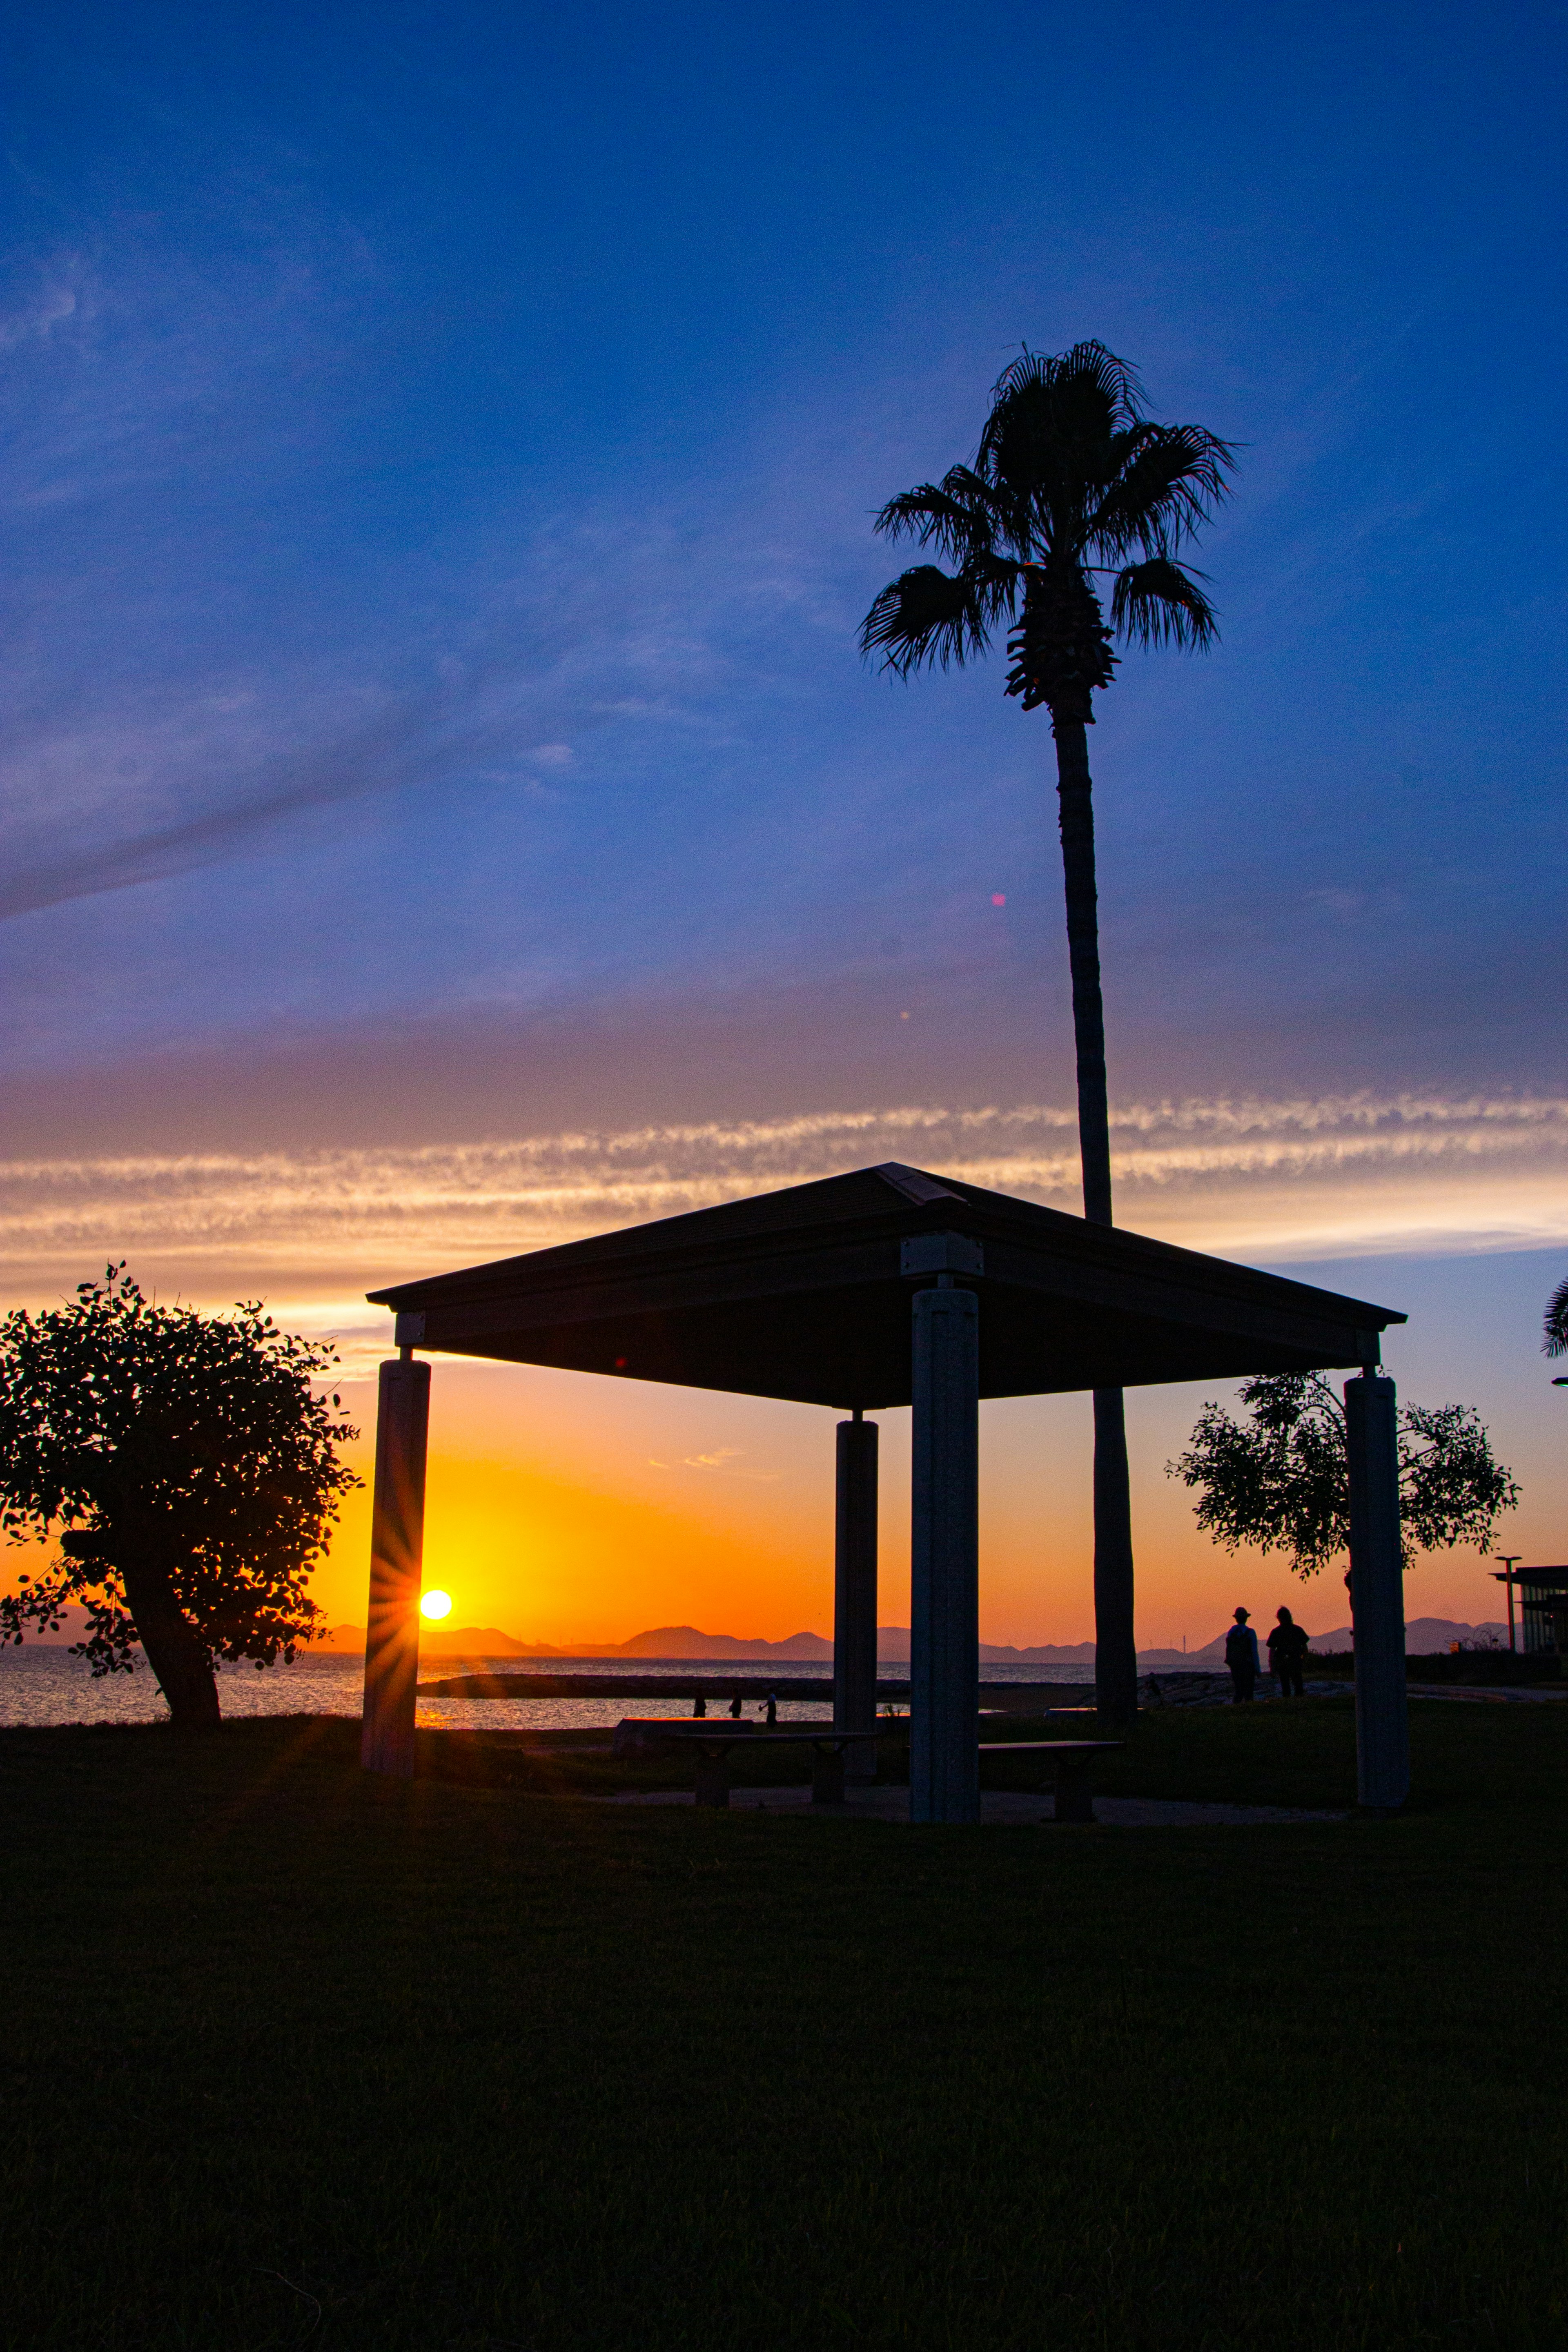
{"x":885,"y":1287}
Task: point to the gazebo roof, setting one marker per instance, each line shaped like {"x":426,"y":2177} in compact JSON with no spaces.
{"x":805,"y":1294}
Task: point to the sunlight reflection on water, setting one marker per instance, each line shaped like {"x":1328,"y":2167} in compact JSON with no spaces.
{"x":41,"y":1684}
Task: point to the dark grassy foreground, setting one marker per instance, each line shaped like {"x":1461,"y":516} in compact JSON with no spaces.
{"x":295,"y":2058}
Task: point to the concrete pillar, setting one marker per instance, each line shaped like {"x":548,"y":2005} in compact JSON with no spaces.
{"x":945,"y":1600}
{"x":855,"y":1594}
{"x":397,"y":1566}
{"x":1377,"y":1594}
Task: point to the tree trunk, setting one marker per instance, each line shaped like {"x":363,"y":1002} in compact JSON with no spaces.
{"x":174,"y":1652}
{"x":1115,"y":1653}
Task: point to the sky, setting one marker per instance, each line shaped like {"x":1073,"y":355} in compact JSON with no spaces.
{"x":445,"y":812}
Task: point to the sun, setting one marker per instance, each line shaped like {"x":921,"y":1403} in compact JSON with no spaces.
{"x":434,"y":1604}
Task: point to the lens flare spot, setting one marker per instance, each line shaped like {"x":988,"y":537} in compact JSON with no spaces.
{"x":998,"y":897}
{"x":434,"y":1604}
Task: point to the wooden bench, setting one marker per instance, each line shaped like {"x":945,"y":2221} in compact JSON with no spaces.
{"x":713,"y":1744}
{"x":1074,"y":1758}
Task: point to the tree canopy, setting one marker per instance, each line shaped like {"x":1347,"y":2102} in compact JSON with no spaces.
{"x":1554,"y":1337}
{"x":189,"y":1470}
{"x":1279,"y":1480}
{"x":1071,"y":477}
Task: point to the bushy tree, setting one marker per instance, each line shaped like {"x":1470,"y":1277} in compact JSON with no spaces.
{"x":189,"y":1471}
{"x":1279,"y":1480}
{"x":1554,"y":1339}
{"x":1071,"y":482}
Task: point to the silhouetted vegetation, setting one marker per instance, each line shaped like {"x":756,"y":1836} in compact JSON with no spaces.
{"x":1554,"y":1337}
{"x":1279,"y":1480}
{"x":1072,"y":480}
{"x":1476,"y":1665}
{"x":189,"y":1471}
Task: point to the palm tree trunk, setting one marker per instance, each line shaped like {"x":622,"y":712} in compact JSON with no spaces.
{"x":1115,"y":1653}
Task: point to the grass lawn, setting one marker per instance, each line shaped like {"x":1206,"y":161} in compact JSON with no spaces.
{"x":296,"y":2057}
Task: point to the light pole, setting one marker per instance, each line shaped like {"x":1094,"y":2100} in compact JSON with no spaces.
{"x":1510,"y":1561}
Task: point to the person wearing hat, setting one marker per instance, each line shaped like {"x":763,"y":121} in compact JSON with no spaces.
{"x":1241,"y":1657}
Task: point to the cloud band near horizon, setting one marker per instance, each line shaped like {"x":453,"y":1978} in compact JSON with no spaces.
{"x":1271,"y":1180}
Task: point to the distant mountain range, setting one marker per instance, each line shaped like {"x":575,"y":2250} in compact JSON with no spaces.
{"x":437,"y":1642}
{"x":1422,"y":1636}
{"x":661,"y":1642}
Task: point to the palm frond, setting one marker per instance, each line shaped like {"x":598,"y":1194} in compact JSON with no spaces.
{"x":954,"y":514}
{"x":1160,"y":602}
{"x":919,"y":511}
{"x":926,"y":616}
{"x":1169,"y":480}
{"x":1555,"y":1340}
{"x":1046,"y":452}
{"x":1069,"y":471}
{"x":1088,"y":377}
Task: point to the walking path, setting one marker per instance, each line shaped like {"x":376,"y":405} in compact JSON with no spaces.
{"x":1003,"y":1805}
{"x":1518,"y":1694}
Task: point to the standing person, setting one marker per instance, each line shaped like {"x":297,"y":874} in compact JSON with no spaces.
{"x":1241,"y":1657}
{"x":735,"y":1707}
{"x":773,"y":1707}
{"x":700,"y":1708}
{"x":1286,"y":1649}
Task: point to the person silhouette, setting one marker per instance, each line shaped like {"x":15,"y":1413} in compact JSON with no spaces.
{"x":1286,"y":1649}
{"x":773,"y":1707}
{"x":735,"y":1707}
{"x":1241,"y":1657}
{"x":699,"y":1707}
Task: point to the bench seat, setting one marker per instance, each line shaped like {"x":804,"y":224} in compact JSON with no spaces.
{"x":713,"y":1743}
{"x":1074,"y":1760}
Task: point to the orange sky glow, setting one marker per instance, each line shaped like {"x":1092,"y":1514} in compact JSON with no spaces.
{"x":567,"y":1509}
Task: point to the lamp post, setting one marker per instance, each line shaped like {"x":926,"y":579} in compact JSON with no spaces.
{"x":1510,"y":1561}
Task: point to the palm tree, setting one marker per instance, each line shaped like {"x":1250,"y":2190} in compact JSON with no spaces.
{"x":1555,"y":1341}
{"x":1072,"y":479}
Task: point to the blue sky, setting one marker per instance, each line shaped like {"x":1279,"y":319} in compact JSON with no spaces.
{"x":442,"y":446}
{"x":438,"y":461}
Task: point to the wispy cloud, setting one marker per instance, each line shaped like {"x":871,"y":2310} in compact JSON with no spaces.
{"x":722,"y":1458}
{"x":179,"y":687}
{"x":1281,"y":1179}
{"x":56,"y":299}
{"x":136,"y":800}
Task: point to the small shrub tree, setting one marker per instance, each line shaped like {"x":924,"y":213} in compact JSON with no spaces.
{"x":1279,"y":1480}
{"x":190,"y":1470}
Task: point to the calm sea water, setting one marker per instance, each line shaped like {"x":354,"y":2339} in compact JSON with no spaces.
{"x":40,"y":1684}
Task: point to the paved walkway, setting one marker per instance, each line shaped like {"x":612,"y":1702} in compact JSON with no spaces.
{"x":1515,"y":1694}
{"x":1007,"y":1806}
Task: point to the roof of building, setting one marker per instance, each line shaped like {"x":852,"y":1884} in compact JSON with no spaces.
{"x":805,"y":1294}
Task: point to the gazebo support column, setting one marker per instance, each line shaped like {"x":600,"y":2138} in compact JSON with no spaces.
{"x":1377,"y":1594}
{"x":855,"y":1594}
{"x":944,"y":1598}
{"x":397,"y":1565}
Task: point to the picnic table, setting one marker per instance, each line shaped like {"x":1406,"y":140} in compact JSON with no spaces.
{"x":713,"y":1746}
{"x":714,"y":1743}
{"x":1074,"y":1761}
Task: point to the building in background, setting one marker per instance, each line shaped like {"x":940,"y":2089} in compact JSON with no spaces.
{"x":1543,"y":1608}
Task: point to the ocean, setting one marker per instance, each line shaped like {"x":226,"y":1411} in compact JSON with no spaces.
{"x":41,"y":1684}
